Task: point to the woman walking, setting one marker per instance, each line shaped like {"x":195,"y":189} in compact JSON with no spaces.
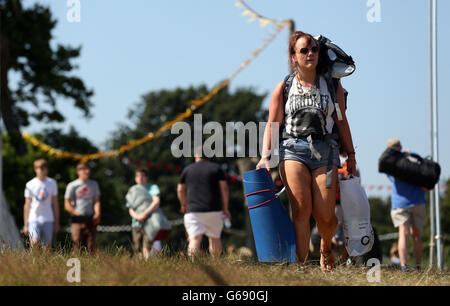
{"x":309,"y":155}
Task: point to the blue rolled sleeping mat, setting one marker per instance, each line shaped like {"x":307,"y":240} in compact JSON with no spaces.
{"x":272,"y":228}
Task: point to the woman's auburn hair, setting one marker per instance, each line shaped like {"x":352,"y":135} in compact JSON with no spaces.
{"x":291,"y":50}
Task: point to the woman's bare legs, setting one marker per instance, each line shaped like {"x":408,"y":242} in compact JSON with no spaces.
{"x":323,"y":204}
{"x":297,"y":179}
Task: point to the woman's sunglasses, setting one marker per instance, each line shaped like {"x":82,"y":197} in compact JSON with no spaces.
{"x":314,"y":49}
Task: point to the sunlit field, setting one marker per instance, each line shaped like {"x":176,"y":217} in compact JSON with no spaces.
{"x":118,"y":267}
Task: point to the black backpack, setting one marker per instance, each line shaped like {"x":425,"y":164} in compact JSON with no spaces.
{"x":410,"y":168}
{"x":334,"y":64}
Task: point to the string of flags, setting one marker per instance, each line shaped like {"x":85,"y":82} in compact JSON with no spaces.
{"x":149,"y":164}
{"x":388,"y":188}
{"x":193,"y":104}
{"x":264,"y":21}
{"x":231,"y":176}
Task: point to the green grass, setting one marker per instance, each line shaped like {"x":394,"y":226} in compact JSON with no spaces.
{"x":116,"y":266}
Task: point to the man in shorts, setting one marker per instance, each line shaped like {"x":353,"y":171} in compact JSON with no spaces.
{"x":82,"y":201}
{"x":203,"y":194}
{"x":41,"y":209}
{"x":408,"y":214}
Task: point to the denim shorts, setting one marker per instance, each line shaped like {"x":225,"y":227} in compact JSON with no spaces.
{"x":298,"y":149}
{"x":41,"y":231}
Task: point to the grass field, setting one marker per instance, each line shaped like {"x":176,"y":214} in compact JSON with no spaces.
{"x":117,"y":267}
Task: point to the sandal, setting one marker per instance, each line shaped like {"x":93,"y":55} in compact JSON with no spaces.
{"x":328,"y":260}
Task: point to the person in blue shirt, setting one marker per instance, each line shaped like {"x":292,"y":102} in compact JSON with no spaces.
{"x":408,"y":213}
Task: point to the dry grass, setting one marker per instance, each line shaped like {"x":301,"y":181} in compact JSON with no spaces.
{"x":117,"y":267}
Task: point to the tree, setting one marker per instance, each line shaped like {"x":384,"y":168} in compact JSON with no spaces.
{"x":115,"y":175}
{"x":380,"y":215}
{"x":154,"y":109}
{"x":25,"y":36}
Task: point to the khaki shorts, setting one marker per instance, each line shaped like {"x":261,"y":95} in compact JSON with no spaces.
{"x":414,"y":215}
{"x":140,"y":239}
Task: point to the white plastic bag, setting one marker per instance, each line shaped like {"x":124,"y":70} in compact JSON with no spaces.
{"x":358,"y":231}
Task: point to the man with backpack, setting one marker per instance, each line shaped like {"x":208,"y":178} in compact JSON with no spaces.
{"x":408,"y":213}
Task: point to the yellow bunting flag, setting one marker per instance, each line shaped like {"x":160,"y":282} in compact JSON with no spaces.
{"x":194,"y":104}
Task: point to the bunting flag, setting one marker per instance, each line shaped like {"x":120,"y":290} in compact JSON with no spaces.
{"x":193,"y":105}
{"x":388,"y":188}
{"x":234,"y":178}
{"x":263,"y":21}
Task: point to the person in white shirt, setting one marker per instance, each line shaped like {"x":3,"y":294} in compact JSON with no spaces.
{"x":41,"y":209}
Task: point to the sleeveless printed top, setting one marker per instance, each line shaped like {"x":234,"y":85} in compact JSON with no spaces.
{"x":304,"y":116}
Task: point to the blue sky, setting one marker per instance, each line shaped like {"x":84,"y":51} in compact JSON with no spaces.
{"x":132,"y":47}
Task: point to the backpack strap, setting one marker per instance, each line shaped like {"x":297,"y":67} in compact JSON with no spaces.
{"x":333,"y":142}
{"x":322,"y":120}
{"x":287,"y":84}
{"x":333,"y":139}
{"x":333,"y":84}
